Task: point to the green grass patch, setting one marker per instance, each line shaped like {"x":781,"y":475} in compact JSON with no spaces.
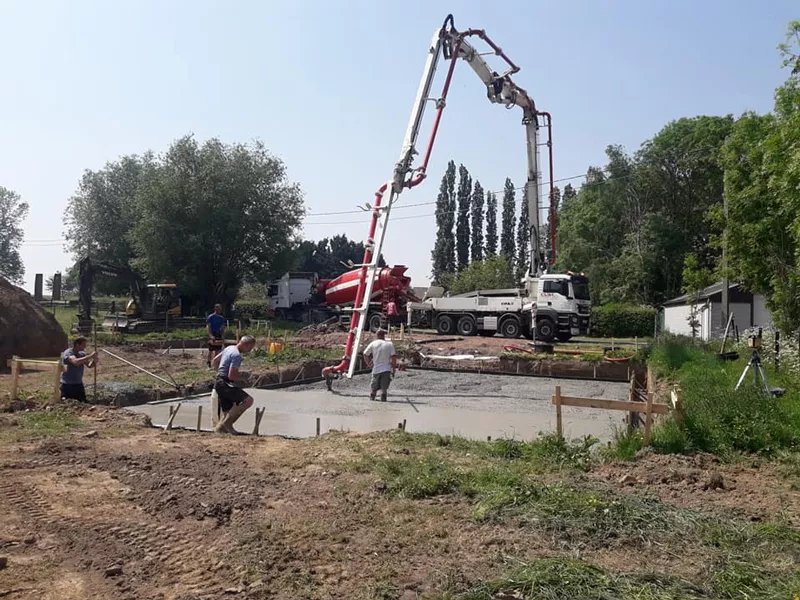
{"x":49,"y":423}
{"x":565,"y":579}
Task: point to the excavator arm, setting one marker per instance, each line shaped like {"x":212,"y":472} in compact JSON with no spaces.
{"x":450,"y":44}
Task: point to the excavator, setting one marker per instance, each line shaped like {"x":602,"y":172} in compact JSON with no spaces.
{"x":452,"y":45}
{"x":149,"y":306}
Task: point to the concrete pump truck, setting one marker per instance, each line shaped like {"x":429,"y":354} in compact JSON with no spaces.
{"x":539,"y":302}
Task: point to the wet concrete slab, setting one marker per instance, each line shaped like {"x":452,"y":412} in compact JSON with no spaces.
{"x":474,"y":406}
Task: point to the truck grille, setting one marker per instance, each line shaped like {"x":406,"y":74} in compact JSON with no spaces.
{"x":583,"y":309}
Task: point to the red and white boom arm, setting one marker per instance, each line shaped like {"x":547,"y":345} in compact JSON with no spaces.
{"x":451,"y":44}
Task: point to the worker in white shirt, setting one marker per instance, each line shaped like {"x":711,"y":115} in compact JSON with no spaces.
{"x":381,"y":354}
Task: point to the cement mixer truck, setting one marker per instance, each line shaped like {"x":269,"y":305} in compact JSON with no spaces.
{"x":305,"y":297}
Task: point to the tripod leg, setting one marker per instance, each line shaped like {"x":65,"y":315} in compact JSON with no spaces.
{"x":764,"y":383}
{"x":741,"y":378}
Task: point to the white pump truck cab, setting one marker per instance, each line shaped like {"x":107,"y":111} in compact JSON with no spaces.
{"x":559,"y":305}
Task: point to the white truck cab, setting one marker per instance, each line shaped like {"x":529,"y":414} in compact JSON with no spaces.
{"x":562,"y":306}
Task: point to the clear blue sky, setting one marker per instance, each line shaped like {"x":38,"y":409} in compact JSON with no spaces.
{"x":328,"y":87}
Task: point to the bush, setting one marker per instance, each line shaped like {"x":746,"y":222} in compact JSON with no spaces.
{"x":247,"y":310}
{"x":623,"y":320}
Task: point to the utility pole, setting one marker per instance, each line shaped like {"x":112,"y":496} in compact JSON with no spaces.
{"x":725,"y":299}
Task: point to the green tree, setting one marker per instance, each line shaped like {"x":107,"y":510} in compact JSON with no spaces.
{"x":507,"y":245}
{"x":213,"y":215}
{"x":491,"y":224}
{"x":523,"y":237}
{"x":476,"y":247}
{"x":462,"y":222}
{"x":443,"y":255}
{"x":491,"y":273}
{"x":328,"y":256}
{"x":12,"y":213}
{"x":762,"y":176}
{"x":101,"y":214}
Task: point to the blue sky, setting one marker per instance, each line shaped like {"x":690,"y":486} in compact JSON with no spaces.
{"x":328,"y":87}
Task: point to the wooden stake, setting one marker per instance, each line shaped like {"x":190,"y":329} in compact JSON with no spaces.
{"x":317,"y":426}
{"x":557,"y":400}
{"x":57,"y":381}
{"x":199,"y":417}
{"x":648,"y":421}
{"x":14,"y":377}
{"x":172,"y":417}
{"x":259,"y":414}
{"x":94,"y":336}
{"x":404,"y":424}
{"x":488,"y":438}
{"x":679,"y":407}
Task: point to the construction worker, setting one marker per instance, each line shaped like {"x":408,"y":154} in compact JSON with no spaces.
{"x":215,"y":325}
{"x":75,"y":359}
{"x":231,"y":400}
{"x":380,"y":352}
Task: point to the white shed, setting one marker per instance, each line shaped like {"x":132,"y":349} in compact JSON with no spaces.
{"x":749,"y":310}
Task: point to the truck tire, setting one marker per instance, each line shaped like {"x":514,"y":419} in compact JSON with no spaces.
{"x":545,"y":329}
{"x":564,"y":337}
{"x":375,"y":322}
{"x":466,"y":326}
{"x":510,"y":327}
{"x":445,"y":325}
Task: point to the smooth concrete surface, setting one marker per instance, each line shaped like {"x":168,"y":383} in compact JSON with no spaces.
{"x":474,"y":406}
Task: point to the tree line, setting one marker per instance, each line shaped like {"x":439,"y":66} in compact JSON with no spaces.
{"x":467,"y":246}
{"x":651,"y":225}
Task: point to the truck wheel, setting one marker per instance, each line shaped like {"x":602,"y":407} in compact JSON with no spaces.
{"x":510,"y":328}
{"x":564,"y":337}
{"x":466,"y":326}
{"x":545,"y":329}
{"x":375,"y":322}
{"x":445,"y":325}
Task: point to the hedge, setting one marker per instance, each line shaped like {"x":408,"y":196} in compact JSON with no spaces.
{"x":623,"y":320}
{"x":248,"y":310}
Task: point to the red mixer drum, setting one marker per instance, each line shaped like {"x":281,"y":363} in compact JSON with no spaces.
{"x":342,"y":290}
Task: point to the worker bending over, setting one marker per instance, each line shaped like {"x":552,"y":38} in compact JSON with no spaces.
{"x":232,"y":400}
{"x":74,"y":360}
{"x":381,"y":354}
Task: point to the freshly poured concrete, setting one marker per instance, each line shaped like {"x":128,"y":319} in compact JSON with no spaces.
{"x":470,"y":405}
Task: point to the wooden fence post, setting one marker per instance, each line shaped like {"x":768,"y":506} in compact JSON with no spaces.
{"x":259,"y":414}
{"x":317,"y":426}
{"x":559,"y":428}
{"x":648,"y":421}
{"x":199,"y":416}
{"x":57,"y":381}
{"x":172,"y":417}
{"x":14,"y":377}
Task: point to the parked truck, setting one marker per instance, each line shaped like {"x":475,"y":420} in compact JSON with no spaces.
{"x":559,"y":306}
{"x":304,"y":296}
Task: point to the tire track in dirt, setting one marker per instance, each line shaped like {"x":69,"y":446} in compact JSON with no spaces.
{"x":179,"y":558}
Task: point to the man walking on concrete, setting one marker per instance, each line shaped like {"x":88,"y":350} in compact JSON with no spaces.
{"x":381,"y":354}
{"x":75,"y":359}
{"x":215,"y":325}
{"x":231,"y":399}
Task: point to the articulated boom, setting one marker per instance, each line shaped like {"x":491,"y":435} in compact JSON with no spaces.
{"x":500,"y":89}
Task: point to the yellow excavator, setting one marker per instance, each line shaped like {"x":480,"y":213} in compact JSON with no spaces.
{"x":150,"y":307}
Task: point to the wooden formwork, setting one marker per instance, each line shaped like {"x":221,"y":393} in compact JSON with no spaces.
{"x":18,"y":364}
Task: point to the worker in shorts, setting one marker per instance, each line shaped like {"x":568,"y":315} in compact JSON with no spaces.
{"x":381,"y":354}
{"x":231,"y":400}
{"x":215,"y":324}
{"x":74,"y":360}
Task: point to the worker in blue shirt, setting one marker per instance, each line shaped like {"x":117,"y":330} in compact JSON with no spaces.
{"x":215,"y":324}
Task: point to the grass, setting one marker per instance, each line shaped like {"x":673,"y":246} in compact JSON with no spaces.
{"x":566,"y":579}
{"x":49,"y":423}
{"x":718,"y":419}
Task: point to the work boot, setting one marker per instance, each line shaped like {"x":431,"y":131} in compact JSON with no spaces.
{"x":372,"y":397}
{"x":383,"y":398}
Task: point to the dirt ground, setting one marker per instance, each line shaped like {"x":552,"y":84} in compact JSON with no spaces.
{"x":116,"y":510}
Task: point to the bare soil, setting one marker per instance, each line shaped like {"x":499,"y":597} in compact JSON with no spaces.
{"x":117,"y":510}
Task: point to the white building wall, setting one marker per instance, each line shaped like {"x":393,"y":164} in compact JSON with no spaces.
{"x":761,"y":314}
{"x":676,"y":319}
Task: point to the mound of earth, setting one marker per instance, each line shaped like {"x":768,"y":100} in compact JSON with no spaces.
{"x":26,"y":329}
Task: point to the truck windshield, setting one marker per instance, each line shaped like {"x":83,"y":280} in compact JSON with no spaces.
{"x":581,"y":291}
